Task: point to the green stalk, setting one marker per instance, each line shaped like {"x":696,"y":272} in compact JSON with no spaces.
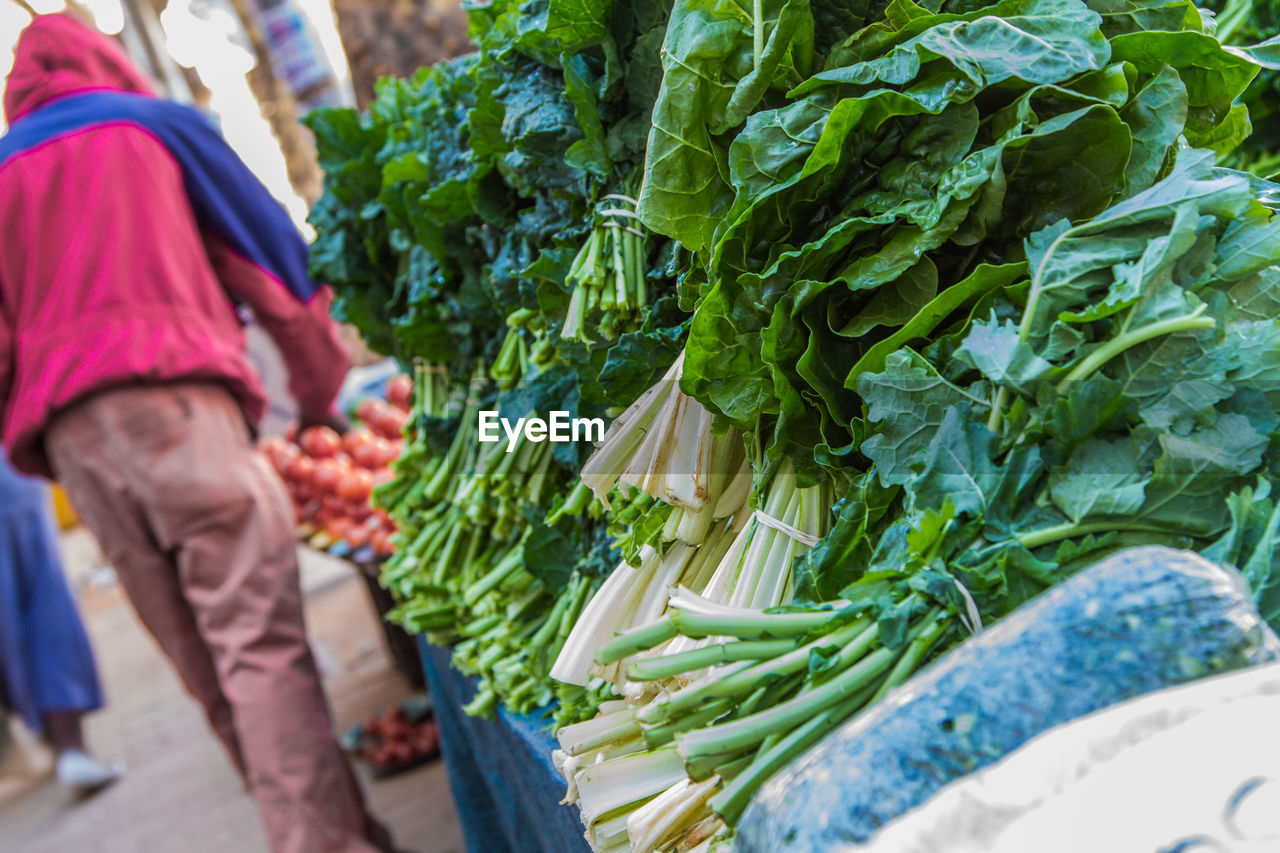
{"x":860,"y":634}
{"x":708,"y":656}
{"x":770,"y":694}
{"x":437,"y":615}
{"x":551,"y":623}
{"x":918,"y":648}
{"x":530,"y":604}
{"x":636,"y":640}
{"x":1114,"y":347}
{"x":622,"y":727}
{"x":485,"y":703}
{"x":491,"y":656}
{"x":997,"y":409}
{"x":636,"y":261}
{"x":703,"y":767}
{"x":1070,"y":530}
{"x":757,"y":34}
{"x":516,"y":582}
{"x":481,"y":626}
{"x":748,"y":731}
{"x":733,"y":798}
{"x":619,"y":269}
{"x":756,"y":625}
{"x":575,"y":503}
{"x":539,"y":478}
{"x":496,"y":576}
{"x":656,"y":736}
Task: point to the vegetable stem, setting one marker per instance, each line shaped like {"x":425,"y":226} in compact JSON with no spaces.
{"x":708,"y":656}
{"x":757,"y":46}
{"x":1046,"y":535}
{"x":1128,"y":340}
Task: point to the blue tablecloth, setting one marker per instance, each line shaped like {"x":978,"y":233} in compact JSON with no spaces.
{"x":505,"y":787}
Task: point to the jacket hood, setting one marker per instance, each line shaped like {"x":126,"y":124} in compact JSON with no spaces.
{"x":59,"y":55}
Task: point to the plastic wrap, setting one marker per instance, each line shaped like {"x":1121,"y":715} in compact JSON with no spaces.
{"x":1140,"y":621}
{"x":1192,"y":768}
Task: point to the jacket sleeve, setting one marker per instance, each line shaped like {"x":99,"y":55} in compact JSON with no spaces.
{"x":230,"y":202}
{"x":305,"y":334}
{"x":6,"y":359}
{"x":260,"y":258}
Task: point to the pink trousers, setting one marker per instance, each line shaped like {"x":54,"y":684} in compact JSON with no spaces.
{"x":200,"y":531}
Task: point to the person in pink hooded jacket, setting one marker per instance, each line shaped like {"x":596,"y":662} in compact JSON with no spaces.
{"x":134,"y":240}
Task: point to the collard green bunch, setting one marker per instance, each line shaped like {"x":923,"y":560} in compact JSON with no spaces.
{"x":975,"y":268}
{"x":452,"y":228}
{"x":852,"y":216}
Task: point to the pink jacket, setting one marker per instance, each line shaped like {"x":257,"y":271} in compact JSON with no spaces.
{"x":117,"y":268}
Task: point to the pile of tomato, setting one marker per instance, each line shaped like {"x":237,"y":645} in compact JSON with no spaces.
{"x":331,"y":477}
{"x":395,"y":741}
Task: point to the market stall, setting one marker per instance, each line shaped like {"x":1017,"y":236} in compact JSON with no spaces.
{"x":798,"y":390}
{"x":505,"y":787}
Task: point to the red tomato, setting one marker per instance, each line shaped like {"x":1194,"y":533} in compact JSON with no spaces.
{"x":328,"y":474}
{"x":358,"y":536}
{"x":291,"y":434}
{"x":360,"y":511}
{"x":355,"y":439}
{"x":338,"y":528}
{"x":334,"y":506}
{"x":400,"y":391}
{"x":381,"y":541}
{"x":392,"y":452}
{"x":300,"y":470}
{"x":321,"y":442}
{"x":393,"y":421}
{"x":366,"y":410}
{"x":355,"y":485}
{"x":284,"y":455}
{"x":382,"y":476}
{"x":383,"y":418}
{"x":369,"y":454}
{"x":268,"y":447}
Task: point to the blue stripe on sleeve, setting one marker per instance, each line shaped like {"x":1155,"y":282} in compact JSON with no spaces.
{"x":228,"y":200}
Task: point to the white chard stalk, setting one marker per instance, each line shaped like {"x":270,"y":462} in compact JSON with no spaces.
{"x":663,"y":444}
{"x":624,"y":436}
{"x":718,"y":557}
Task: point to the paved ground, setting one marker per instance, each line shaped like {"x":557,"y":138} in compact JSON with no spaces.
{"x":180,"y":794}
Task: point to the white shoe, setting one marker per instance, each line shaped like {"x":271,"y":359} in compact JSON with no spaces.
{"x":83,"y":774}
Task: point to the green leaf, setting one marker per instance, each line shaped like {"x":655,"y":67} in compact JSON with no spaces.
{"x":711,"y":82}
{"x":993,"y":347}
{"x":897,"y":304}
{"x":1102,"y":478}
{"x":984,"y":279}
{"x":909,"y":401}
{"x":1193,"y":475}
{"x":843,"y":555}
{"x":957,"y":467}
{"x":564,"y":26}
{"x":1094,"y":406}
{"x":589,"y":153}
{"x":1256,"y":297}
{"x":1039,"y":41}
{"x":1156,"y":116}
{"x":1175,"y":379}
{"x":1213,"y":75}
{"x":1250,"y":245}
